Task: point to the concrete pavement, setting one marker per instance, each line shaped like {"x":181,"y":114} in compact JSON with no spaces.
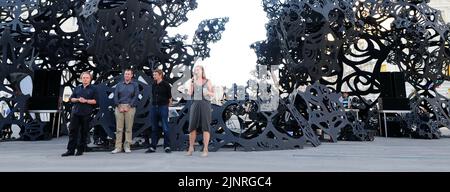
{"x":383,"y":154}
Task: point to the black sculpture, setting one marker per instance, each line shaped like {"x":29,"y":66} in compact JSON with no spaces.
{"x":309,"y":43}
{"x":315,"y":40}
{"x":109,"y":37}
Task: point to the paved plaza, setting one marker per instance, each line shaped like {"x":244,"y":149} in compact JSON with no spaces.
{"x":383,"y":154}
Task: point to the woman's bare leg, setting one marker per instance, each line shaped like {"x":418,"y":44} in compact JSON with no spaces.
{"x":192,"y":136}
{"x":206,"y":137}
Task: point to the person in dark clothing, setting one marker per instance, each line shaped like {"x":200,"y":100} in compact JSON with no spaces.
{"x":159,"y":111}
{"x":84,"y":98}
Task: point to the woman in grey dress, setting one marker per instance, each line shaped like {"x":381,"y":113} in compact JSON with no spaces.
{"x":201,"y":91}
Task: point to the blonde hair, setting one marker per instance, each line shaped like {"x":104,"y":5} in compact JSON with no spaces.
{"x":203,"y":71}
{"x":159,"y":71}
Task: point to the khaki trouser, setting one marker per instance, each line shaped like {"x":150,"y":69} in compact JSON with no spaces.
{"x":126,"y":118}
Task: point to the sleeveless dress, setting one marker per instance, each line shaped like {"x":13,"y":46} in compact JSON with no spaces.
{"x":200,"y":111}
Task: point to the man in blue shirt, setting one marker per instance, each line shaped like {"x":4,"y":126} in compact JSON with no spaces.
{"x":125,"y":99}
{"x":84,"y":98}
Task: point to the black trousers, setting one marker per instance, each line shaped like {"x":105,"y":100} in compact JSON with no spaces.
{"x":78,"y":132}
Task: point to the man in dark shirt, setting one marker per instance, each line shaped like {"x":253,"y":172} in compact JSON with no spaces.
{"x":84,"y":99}
{"x":161,"y":99}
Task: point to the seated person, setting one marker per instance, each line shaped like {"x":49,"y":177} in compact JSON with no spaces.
{"x":345,"y":100}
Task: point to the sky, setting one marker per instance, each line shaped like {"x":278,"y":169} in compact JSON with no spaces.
{"x":231,"y":58}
